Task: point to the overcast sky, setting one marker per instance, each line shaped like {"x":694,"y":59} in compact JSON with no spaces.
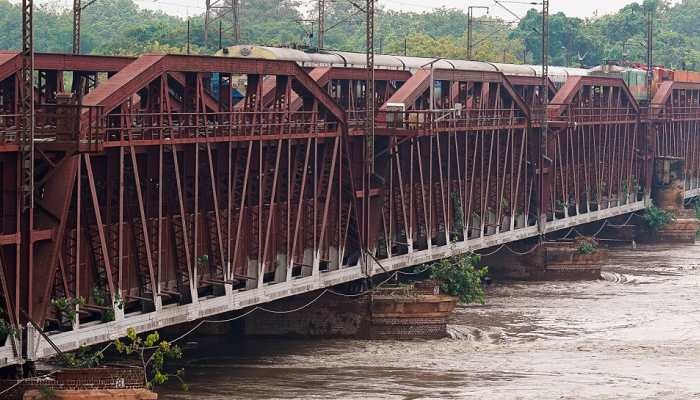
{"x":578,"y":8}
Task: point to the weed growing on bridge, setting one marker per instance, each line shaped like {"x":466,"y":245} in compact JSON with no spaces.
{"x":68,"y":307}
{"x":84,"y":357}
{"x":586,"y":248}
{"x":153,"y":366}
{"x":6,"y":328}
{"x":458,"y":215}
{"x":47,"y":393}
{"x":459,"y":276}
{"x":99,"y":295}
{"x":655,"y":218}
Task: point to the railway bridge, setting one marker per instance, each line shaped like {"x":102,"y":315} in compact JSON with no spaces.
{"x":161,"y":197}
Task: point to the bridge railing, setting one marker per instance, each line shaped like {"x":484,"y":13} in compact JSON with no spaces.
{"x":9,"y":129}
{"x":235,"y":124}
{"x":449,"y":120}
{"x":595,"y":114}
{"x":62,"y":123}
{"x":356,"y":118}
{"x":684,"y":113}
{"x":58,"y":124}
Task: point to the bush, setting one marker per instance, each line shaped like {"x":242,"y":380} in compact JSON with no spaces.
{"x":655,"y":218}
{"x":458,"y":276}
{"x":154,"y":365}
{"x":68,"y":306}
{"x":586,"y":248}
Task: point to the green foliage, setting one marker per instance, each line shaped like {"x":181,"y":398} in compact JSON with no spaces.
{"x":68,"y":306}
{"x":459,"y":276}
{"x":154,"y":365}
{"x":84,"y":357}
{"x":587,"y":248}
{"x":100,"y":298}
{"x":655,"y":218}
{"x":618,"y":36}
{"x":458,"y":213}
{"x":6,"y":328}
{"x":121,"y":27}
{"x":697,"y":209}
{"x":47,"y":393}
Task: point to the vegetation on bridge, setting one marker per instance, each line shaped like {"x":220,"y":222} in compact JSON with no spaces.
{"x":460,"y":276}
{"x":655,"y":218}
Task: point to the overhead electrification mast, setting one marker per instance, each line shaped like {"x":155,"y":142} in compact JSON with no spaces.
{"x":220,"y":10}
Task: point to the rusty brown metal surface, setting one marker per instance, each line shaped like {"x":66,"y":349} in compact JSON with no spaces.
{"x":160,"y":189}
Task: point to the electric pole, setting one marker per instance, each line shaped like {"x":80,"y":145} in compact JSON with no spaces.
{"x":470,"y":17}
{"x":222,"y":10}
{"x":236,"y":21}
{"x":369,"y":141}
{"x":27,"y":107}
{"x":545,"y":117}
{"x":78,"y":8}
{"x":76,"y":26}
{"x":650,"y":52}
{"x":321,"y":22}
{"x":369,"y":92}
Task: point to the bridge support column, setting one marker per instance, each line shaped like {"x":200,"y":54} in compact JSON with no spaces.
{"x":581,"y":259}
{"x":390,"y":312}
{"x":329,"y":316}
{"x":668,"y":193}
{"x":668,"y":188}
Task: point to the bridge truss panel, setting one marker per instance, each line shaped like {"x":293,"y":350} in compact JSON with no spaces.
{"x":676,"y":128}
{"x":595,"y":151}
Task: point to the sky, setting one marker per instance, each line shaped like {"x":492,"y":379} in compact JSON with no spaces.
{"x":574,"y":8}
{"x":577,"y":8}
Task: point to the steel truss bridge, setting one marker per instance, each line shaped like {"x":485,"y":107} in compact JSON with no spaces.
{"x":160,"y":199}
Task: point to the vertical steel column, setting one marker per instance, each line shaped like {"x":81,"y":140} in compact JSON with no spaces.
{"x":27,"y":105}
{"x":207,"y":14}
{"x":650,"y":52}
{"x":236,"y":21}
{"x":216,"y":11}
{"x":321,"y":22}
{"x":545,"y":117}
{"x":76,"y":26}
{"x":651,"y":126}
{"x":78,"y":8}
{"x":469,"y":33}
{"x":470,"y":21}
{"x":369,"y":142}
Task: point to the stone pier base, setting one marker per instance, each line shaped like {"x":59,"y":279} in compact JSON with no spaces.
{"x":108,"y":394}
{"x":555,"y":261}
{"x":668,"y":194}
{"x":680,"y":231}
{"x":330,"y":316}
{"x":387,"y":313}
{"x":422,"y":317}
{"x":121,"y":383}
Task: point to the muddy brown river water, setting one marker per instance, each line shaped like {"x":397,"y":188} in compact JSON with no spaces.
{"x":633,"y":335}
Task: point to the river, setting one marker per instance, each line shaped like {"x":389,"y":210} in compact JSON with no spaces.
{"x":633,"y":335}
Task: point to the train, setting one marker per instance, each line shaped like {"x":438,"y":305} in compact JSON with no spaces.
{"x":634,"y":75}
